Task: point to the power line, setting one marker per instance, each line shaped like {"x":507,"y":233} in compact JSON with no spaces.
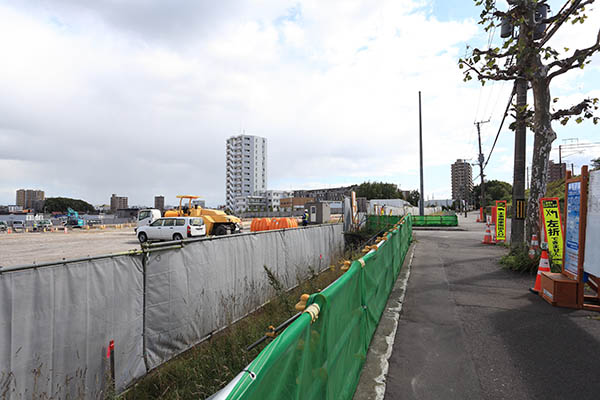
{"x":512,"y":94}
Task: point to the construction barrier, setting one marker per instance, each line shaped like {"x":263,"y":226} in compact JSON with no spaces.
{"x":59,"y":320}
{"x":379,"y":222}
{"x":321,"y":354}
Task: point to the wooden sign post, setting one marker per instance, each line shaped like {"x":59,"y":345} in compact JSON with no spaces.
{"x":567,"y":288}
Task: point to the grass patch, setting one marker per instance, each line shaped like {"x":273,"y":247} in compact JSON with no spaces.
{"x":206,"y":368}
{"x":518,"y":260}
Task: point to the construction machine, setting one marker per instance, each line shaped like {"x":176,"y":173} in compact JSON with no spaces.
{"x":216,"y":221}
{"x":73,"y":219}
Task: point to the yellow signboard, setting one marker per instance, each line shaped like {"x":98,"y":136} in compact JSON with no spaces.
{"x":552,"y":228}
{"x":500,"y":220}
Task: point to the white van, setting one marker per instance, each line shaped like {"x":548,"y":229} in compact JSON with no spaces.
{"x":147,"y":216}
{"x":18,"y":225}
{"x":172,"y":228}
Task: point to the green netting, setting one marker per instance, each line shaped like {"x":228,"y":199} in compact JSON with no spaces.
{"x":378,"y":222}
{"x":323,"y":359}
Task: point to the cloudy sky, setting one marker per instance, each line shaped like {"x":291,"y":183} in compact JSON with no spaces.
{"x":138,"y":97}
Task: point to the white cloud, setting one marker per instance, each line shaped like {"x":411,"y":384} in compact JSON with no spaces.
{"x":137,"y":98}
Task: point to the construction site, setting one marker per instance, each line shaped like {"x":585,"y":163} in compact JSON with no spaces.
{"x":307,"y":201}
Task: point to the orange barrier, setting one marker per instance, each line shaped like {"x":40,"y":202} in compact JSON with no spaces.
{"x":266,"y":224}
{"x":544,"y":266}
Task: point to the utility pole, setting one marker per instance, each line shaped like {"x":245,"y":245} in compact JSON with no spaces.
{"x":560,"y":153}
{"x":481,"y":160}
{"x":422,"y":202}
{"x":517,"y":229}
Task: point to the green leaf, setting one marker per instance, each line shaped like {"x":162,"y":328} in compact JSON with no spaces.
{"x":579,"y":120}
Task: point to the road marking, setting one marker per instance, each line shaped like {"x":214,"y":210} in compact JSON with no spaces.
{"x":383,"y":358}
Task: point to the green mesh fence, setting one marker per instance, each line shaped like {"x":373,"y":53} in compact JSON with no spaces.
{"x":379,"y":222}
{"x":323,"y":359}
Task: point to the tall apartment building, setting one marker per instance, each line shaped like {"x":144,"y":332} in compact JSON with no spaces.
{"x":27,"y":198}
{"x":117,"y":202}
{"x":159,"y":202}
{"x":246,"y":167}
{"x":462,"y":180}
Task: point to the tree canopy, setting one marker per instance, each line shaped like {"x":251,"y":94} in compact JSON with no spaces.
{"x":378,"y":190}
{"x":525,"y":55}
{"x":494,"y":190}
{"x":61,"y":204}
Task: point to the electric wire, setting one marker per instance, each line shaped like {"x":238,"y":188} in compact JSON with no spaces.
{"x":512,"y":94}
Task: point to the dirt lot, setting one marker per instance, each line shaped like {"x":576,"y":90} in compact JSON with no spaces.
{"x":38,"y":247}
{"x":34,"y":247}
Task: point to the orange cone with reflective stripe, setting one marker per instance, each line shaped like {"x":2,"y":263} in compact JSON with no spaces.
{"x":487,"y":239}
{"x":544,"y":266}
{"x":534,"y":246}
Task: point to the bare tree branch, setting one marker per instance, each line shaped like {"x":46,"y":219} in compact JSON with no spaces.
{"x":577,"y":59}
{"x":508,"y":75}
{"x":575,"y":110}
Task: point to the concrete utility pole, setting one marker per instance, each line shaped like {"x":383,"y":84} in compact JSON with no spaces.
{"x":422,"y":199}
{"x":481,"y":159}
{"x":517,"y":229}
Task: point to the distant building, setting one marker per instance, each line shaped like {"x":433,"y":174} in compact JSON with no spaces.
{"x":294,"y":203}
{"x":329,"y":194}
{"x":556,"y":171}
{"x":246,"y":174}
{"x":462,"y":180}
{"x":28,"y":198}
{"x":103,"y":208}
{"x":249,"y":203}
{"x":273,"y":198}
{"x":159,"y":202}
{"x":200,"y":203}
{"x":117,"y":202}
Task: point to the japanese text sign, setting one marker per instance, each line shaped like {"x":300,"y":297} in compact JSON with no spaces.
{"x":552,"y":228}
{"x":501,"y":220}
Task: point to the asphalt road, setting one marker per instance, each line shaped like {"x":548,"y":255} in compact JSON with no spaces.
{"x":471,"y":330}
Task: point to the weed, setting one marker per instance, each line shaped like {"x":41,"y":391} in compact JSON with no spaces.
{"x":518,"y":260}
{"x":207,"y":367}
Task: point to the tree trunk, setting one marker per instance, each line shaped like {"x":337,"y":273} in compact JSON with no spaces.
{"x":544,"y":136}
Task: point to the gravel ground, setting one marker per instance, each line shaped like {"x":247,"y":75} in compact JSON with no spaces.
{"x":38,"y":247}
{"x":34,"y":247}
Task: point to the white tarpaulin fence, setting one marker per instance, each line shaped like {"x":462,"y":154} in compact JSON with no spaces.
{"x":57,"y":321}
{"x":592,"y":234}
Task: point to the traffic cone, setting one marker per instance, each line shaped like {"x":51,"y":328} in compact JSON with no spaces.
{"x":534,"y":246}
{"x":66,"y":231}
{"x":544,"y":266}
{"x":487,"y":239}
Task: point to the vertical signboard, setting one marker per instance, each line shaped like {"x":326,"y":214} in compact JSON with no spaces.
{"x":552,"y":228}
{"x":591,"y":263}
{"x":500,"y":220}
{"x":572,"y":228}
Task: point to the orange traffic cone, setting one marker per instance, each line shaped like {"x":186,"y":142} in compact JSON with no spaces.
{"x":534,"y":246}
{"x":544,"y":266}
{"x":487,"y":239}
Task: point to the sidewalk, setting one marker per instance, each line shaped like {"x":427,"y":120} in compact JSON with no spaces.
{"x":471,"y":330}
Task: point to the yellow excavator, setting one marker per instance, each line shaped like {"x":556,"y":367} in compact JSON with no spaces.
{"x":216,"y":221}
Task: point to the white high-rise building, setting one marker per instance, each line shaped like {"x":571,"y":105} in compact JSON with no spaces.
{"x":246,"y":167}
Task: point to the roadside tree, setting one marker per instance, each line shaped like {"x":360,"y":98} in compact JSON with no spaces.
{"x":529,"y":57}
